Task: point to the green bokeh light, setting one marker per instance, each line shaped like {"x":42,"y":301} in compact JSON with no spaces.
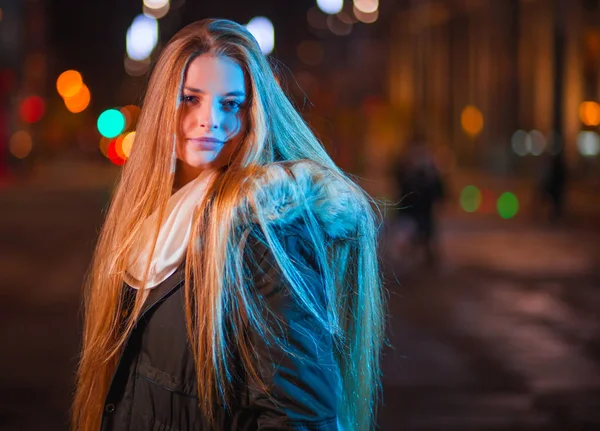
{"x":111,"y":123}
{"x":508,"y":205}
{"x":470,"y":199}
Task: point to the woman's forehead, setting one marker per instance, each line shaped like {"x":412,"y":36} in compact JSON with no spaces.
{"x":214,"y":75}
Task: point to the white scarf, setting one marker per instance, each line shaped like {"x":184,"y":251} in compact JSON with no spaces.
{"x":173,"y":237}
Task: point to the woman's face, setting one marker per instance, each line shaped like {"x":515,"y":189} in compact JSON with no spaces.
{"x":213,"y":119}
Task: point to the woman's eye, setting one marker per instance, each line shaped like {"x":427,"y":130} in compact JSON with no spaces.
{"x":188,"y":99}
{"x":231,"y":105}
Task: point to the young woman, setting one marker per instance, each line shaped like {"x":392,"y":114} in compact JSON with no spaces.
{"x":235,"y":284}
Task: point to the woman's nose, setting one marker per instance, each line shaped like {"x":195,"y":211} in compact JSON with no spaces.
{"x":209,"y":116}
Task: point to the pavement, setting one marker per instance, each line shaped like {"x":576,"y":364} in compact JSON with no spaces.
{"x":502,"y":334}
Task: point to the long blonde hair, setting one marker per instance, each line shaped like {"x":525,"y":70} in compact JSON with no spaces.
{"x":279,"y":153}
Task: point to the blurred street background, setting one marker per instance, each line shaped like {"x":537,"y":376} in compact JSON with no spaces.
{"x":474,"y":123}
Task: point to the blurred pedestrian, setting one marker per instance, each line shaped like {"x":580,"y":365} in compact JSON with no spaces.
{"x":235,"y":284}
{"x":551,"y":187}
{"x":419,"y":189}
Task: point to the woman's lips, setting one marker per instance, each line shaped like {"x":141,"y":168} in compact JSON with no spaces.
{"x":206,"y":144}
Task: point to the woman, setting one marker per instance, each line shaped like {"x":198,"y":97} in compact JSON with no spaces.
{"x":260,"y":306}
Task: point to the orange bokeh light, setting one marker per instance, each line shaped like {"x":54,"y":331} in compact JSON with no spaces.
{"x":131,"y":114}
{"x":79,"y":101}
{"x":69,"y":83}
{"x":127,"y":143}
{"x":589,"y":113}
{"x":471,"y":120}
{"x":119,"y":146}
{"x":104,"y":143}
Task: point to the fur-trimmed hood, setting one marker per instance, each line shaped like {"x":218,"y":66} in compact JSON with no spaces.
{"x":282,"y":193}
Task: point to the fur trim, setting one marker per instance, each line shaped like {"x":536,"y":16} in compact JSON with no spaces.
{"x":286,"y":191}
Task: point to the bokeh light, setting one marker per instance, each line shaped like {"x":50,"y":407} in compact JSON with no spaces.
{"x":263,"y":31}
{"x":111,"y":123}
{"x":127,"y":143}
{"x":366,"y":6}
{"x":104,"y":143}
{"x":508,"y":205}
{"x":119,"y":146}
{"x":157,"y":13}
{"x":470,"y":199}
{"x":316,"y":18}
{"x":589,"y":113}
{"x":142,"y":37}
{"x":537,"y":142}
{"x":310,"y":52}
{"x":367,"y":18}
{"x":347,"y":18}
{"x":488,"y":202}
{"x":32,"y":109}
{"x":588,"y":143}
{"x":80,"y":101}
{"x":136,"y":68}
{"x":131,"y":113}
{"x":112,"y":154}
{"x":337,"y":26}
{"x":20,"y":144}
{"x":471,"y":120}
{"x":69,"y":83}
{"x":330,"y":7}
{"x":519,"y":143}
{"x":155,"y":4}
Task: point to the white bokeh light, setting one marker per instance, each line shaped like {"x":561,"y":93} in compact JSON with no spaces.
{"x":330,"y":6}
{"x":264,"y":33}
{"x":157,"y":13}
{"x":155,"y":4}
{"x":367,"y":18}
{"x":588,"y":143}
{"x":518,"y":143}
{"x":538,"y":143}
{"x":366,"y":6}
{"x":142,"y":37}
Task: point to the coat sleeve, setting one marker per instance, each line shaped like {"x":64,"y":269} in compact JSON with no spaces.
{"x":302,"y":378}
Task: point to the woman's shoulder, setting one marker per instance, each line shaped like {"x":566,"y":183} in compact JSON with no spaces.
{"x":292,"y":196}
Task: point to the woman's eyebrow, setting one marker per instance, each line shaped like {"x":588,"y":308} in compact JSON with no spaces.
{"x":231,"y":93}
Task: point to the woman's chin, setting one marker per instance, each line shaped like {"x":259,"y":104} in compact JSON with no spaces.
{"x":201,"y":159}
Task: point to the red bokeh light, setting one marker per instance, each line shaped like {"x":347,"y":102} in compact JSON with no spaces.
{"x":32,"y":109}
{"x":112,"y":154}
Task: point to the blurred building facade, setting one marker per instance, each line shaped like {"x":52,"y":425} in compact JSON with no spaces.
{"x":23,"y":78}
{"x":506,"y":59}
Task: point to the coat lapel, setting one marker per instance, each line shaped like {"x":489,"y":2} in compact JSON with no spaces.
{"x":161,"y":291}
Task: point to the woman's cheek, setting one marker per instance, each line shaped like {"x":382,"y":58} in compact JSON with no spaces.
{"x":233,"y":127}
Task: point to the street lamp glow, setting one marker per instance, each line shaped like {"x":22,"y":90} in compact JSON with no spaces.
{"x":366,"y":6}
{"x":331,"y":7}
{"x":264,"y":33}
{"x":142,"y":37}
